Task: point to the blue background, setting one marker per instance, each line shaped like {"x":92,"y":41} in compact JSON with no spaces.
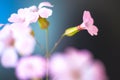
{"x":68,"y":13}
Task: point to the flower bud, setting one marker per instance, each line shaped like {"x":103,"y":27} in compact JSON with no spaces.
{"x":71,"y":31}
{"x":43,"y":23}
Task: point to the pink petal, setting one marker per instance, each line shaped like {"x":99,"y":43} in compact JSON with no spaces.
{"x":33,"y":8}
{"x":9,"y":58}
{"x":15,"y":18}
{"x":30,"y":67}
{"x":95,"y":72}
{"x":25,"y":46}
{"x":2,"y":46}
{"x":87,"y":18}
{"x":55,"y":64}
{"x":45,"y":12}
{"x":24,"y":41}
{"x":93,"y":30}
{"x":32,"y":17}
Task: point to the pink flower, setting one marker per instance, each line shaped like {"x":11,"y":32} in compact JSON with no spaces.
{"x":88,"y":24}
{"x":76,"y":65}
{"x":25,"y":42}
{"x":26,"y":15}
{"x":30,"y":67}
{"x":31,"y":14}
{"x":17,"y":36}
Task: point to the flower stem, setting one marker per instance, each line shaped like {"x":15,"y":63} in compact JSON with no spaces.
{"x":47,"y":54}
{"x":57,"y":43}
{"x":41,"y":46}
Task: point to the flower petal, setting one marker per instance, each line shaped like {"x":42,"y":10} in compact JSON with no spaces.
{"x":30,"y":67}
{"x":9,"y":58}
{"x":87,"y":18}
{"x":93,"y":30}
{"x":45,"y":12}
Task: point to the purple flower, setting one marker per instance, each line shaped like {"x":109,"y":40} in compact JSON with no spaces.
{"x":30,"y":67}
{"x":87,"y":24}
{"x":76,"y":65}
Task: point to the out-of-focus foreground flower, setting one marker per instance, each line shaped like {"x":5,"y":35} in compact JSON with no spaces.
{"x":15,"y":38}
{"x":76,"y":65}
{"x":31,"y":67}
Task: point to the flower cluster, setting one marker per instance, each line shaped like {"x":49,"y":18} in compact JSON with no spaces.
{"x":17,"y":39}
{"x":31,"y":14}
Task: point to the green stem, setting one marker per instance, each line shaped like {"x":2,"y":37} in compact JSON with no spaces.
{"x":47,"y":53}
{"x":57,"y":43}
{"x":41,"y":47}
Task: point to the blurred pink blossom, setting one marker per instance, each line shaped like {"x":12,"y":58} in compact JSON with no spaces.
{"x":87,"y":24}
{"x":31,"y":14}
{"x":18,"y":37}
{"x":25,"y":42}
{"x":9,"y":58}
{"x":30,"y":67}
{"x":76,"y":65}
{"x":25,"y":15}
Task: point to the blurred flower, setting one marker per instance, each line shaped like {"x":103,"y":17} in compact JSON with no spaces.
{"x":88,"y":24}
{"x":26,"y":15}
{"x":76,"y":65}
{"x":25,"y":41}
{"x":31,"y":14}
{"x":18,"y":37}
{"x":9,"y":58}
{"x":30,"y":67}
